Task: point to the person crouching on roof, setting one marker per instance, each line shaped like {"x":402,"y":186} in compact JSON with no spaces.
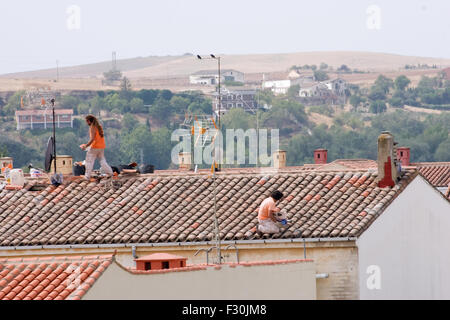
{"x":97,"y":147}
{"x":266,"y":219}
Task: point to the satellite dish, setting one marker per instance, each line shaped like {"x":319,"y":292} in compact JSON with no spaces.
{"x":49,"y":154}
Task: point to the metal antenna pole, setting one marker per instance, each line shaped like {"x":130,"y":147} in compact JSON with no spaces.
{"x":54,"y":133}
{"x":220,"y":98}
{"x":216,"y":221}
{"x":214,"y":175}
{"x":257,"y":131}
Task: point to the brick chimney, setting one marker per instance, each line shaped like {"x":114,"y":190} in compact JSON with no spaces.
{"x":185,"y":160}
{"x":160,"y":261}
{"x":279,"y":159}
{"x":387,"y":171}
{"x":403,"y":155}
{"x":320,"y":156}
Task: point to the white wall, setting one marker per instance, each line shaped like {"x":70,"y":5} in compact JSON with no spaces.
{"x":409,"y":247}
{"x":289,"y":281}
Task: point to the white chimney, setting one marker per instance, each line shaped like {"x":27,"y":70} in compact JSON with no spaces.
{"x":387,"y":170}
{"x":185,"y":160}
{"x":279,"y":159}
{"x":63,"y":165}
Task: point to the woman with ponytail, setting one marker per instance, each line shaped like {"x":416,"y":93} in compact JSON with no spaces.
{"x":96,"y":147}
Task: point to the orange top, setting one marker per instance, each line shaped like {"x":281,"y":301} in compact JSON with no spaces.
{"x":99,"y":142}
{"x":264,"y":209}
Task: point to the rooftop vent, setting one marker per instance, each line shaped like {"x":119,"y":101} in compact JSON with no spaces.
{"x":160,"y":261}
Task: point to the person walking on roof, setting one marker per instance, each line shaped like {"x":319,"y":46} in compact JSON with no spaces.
{"x":266,"y":219}
{"x":96,"y":147}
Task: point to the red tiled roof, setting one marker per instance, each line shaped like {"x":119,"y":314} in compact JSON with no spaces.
{"x":50,"y":278}
{"x":318,"y":204}
{"x":348,"y":164}
{"x":437,"y":173}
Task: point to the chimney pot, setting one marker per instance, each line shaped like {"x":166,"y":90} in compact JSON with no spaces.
{"x":279,"y":159}
{"x":320,"y":156}
{"x":403,"y":155}
{"x":185,"y":160}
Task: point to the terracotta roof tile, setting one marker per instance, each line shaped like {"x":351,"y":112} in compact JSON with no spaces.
{"x":319,"y":203}
{"x":437,"y":173}
{"x":26,"y":281}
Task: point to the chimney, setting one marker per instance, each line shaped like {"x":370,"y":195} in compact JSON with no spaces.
{"x":160,"y":261}
{"x":403,"y":155}
{"x":320,"y":156}
{"x":185,"y":160}
{"x":63,"y":165}
{"x":279,"y":159}
{"x":387,"y":171}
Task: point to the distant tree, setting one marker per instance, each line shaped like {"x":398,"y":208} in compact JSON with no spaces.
{"x":377,"y":93}
{"x":165,"y":94}
{"x":161,"y":148}
{"x":83,"y":108}
{"x":125,"y":88}
{"x":69,"y":102}
{"x":355,"y":101}
{"x":3,"y":151}
{"x":314,"y":67}
{"x":323,"y":66}
{"x":344,"y":68}
{"x":384,"y":83}
{"x":200,"y":107}
{"x":401,"y":82}
{"x":135,"y":140}
{"x":97,"y":105}
{"x":179,"y":104}
{"x":320,"y":75}
{"x":161,"y":110}
{"x":265,"y":97}
{"x":129,"y":122}
{"x":443,"y":151}
{"x":293,"y":91}
{"x":112,"y":75}
{"x":396,"y":102}
{"x":137,"y":105}
{"x":148,"y":96}
{"x":13,"y":103}
{"x":378,"y":106}
{"x":237,"y":118}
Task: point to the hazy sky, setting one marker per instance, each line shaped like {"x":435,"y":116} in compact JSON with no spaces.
{"x":34,"y":34}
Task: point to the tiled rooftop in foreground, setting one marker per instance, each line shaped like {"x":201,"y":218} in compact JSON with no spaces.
{"x":173,"y":208}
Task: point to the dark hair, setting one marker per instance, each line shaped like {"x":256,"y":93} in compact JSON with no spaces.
{"x":277,"y":195}
{"x":93,"y":120}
